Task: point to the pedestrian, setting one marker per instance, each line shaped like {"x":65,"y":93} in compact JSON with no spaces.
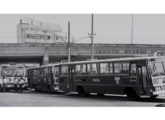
{"x":0,"y":85}
{"x":3,"y":84}
{"x":16,"y":85}
{"x":20,"y":84}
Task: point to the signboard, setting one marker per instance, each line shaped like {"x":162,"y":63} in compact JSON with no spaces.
{"x":38,"y":36}
{"x":127,"y":51}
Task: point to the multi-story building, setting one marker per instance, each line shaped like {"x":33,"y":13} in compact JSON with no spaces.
{"x":33,"y":31}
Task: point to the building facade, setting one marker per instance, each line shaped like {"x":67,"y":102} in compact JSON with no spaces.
{"x":33,"y":31}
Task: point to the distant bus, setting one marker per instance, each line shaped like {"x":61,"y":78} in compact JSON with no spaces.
{"x":135,"y":77}
{"x":12,"y":73}
{"x":44,"y":78}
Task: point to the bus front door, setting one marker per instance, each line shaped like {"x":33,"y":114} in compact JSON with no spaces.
{"x":142,"y":75}
{"x":71,"y":78}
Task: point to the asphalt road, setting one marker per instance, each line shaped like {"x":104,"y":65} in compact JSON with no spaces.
{"x":34,"y":99}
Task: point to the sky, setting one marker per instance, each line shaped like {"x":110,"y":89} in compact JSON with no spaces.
{"x":109,"y":28}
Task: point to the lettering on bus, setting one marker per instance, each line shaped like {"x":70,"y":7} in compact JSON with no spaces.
{"x":117,"y":80}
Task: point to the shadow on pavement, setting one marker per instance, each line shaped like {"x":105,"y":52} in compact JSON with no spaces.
{"x":160,"y":105}
{"x":92,"y":97}
{"x":119,"y":98}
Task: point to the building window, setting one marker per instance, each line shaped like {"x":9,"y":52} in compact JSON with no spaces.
{"x":48,"y":37}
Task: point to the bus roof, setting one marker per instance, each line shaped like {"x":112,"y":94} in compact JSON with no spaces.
{"x":113,"y":60}
{"x":8,"y":65}
{"x":43,"y":66}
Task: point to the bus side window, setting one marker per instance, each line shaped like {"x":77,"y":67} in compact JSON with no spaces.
{"x":81,"y":69}
{"x":111,"y":68}
{"x":121,"y":67}
{"x":78,"y":69}
{"x":133,"y":69}
{"x":64,"y":69}
{"x":106,"y":68}
{"x":56,"y":70}
{"x":117,"y":68}
{"x":88,"y":68}
{"x":92,"y":68}
{"x":125,"y":67}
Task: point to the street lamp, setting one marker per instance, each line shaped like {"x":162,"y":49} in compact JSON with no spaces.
{"x":90,"y":35}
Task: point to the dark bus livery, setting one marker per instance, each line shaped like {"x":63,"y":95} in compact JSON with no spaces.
{"x":44,"y":78}
{"x":134,"y":77}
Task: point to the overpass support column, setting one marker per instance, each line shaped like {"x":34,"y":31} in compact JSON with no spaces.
{"x":45,"y":60}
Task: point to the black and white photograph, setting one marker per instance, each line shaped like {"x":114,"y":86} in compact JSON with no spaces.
{"x":100,"y":59}
{"x":82,"y":59}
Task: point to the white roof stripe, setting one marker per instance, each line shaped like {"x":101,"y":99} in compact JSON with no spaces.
{"x":113,"y":60}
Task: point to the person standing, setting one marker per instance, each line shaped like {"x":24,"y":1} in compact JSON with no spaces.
{"x":3,"y":84}
{"x":16,"y":85}
{"x":20,"y":84}
{"x":0,"y":85}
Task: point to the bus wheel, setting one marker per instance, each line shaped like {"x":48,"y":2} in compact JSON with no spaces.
{"x":81,"y":91}
{"x":131,"y":94}
{"x":36,"y":89}
{"x":49,"y":89}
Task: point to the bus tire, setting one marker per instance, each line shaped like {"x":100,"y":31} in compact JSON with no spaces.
{"x":49,"y":89}
{"x":81,"y":91}
{"x":36,"y":89}
{"x":131,"y":94}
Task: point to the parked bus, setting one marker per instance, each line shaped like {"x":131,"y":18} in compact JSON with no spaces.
{"x":134,"y":77}
{"x":44,"y":78}
{"x":12,"y":73}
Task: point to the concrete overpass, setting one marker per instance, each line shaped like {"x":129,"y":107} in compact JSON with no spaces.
{"x":51,"y":53}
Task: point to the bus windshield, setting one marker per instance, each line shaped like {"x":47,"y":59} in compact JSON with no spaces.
{"x":12,"y":71}
{"x":157,"y":68}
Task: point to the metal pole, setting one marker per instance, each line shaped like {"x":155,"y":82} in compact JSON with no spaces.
{"x":69,"y":47}
{"x":92,"y":45}
{"x":132,"y":29}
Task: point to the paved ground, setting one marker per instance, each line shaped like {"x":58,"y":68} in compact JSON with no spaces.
{"x":31,"y":99}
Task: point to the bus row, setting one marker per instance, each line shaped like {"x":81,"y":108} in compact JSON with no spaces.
{"x":134,"y":77}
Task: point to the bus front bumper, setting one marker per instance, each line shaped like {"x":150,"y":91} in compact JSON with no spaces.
{"x":158,"y":92}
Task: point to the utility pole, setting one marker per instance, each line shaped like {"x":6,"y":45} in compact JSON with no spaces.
{"x":69,"y":46}
{"x":132,"y":29}
{"x":92,"y":37}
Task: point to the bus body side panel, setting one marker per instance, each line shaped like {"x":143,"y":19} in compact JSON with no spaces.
{"x":63,"y":83}
{"x":106,"y":84}
{"x":41,"y":79}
